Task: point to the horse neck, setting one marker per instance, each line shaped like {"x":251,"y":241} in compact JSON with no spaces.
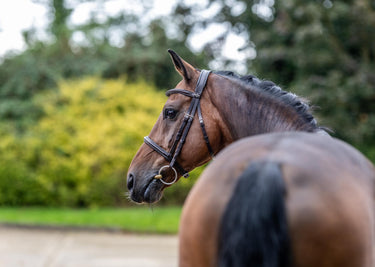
{"x":246,"y":112}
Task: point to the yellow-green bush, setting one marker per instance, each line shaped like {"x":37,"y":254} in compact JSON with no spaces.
{"x":79,"y":152}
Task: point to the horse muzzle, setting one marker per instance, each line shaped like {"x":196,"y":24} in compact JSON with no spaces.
{"x":144,"y":190}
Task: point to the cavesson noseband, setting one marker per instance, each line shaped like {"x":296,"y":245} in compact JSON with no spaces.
{"x":183,"y":131}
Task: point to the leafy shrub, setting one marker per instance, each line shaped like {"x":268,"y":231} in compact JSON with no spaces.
{"x":79,"y":152}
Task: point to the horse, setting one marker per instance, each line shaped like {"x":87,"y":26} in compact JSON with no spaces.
{"x":206,"y":112}
{"x":281,"y":192}
{"x":281,"y":199}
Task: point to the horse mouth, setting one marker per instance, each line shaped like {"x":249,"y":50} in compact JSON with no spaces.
{"x":151,"y":192}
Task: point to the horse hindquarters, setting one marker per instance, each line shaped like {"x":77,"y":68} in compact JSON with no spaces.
{"x":254,"y":230}
{"x":331,"y":226}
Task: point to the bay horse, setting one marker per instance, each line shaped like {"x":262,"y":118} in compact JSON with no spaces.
{"x":281,"y":199}
{"x":206,"y":112}
{"x":287,"y":195}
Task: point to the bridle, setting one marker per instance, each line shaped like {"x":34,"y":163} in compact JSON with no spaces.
{"x":183,"y":131}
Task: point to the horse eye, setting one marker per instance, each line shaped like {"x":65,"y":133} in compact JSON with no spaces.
{"x":170,"y":113}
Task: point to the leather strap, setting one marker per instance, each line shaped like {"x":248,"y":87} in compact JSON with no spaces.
{"x":168,"y":157}
{"x":205,"y":136}
{"x":148,"y":141}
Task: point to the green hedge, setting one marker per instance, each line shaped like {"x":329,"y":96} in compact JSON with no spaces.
{"x":78,"y":153}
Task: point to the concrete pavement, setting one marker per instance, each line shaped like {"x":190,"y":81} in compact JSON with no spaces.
{"x":22,"y":247}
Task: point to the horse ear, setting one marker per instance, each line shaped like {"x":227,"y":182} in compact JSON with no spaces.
{"x":186,"y":70}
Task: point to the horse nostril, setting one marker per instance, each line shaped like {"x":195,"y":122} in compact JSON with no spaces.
{"x":130,"y":182}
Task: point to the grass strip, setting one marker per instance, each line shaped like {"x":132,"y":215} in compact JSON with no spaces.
{"x":160,"y":220}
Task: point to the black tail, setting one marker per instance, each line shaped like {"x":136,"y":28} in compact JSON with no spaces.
{"x":254,"y":230}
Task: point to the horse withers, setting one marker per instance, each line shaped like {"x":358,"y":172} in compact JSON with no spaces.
{"x":281,"y":199}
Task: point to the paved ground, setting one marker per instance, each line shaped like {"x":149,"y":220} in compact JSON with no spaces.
{"x":59,"y":248}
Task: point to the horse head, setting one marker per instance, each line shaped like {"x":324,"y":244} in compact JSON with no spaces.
{"x":176,"y":144}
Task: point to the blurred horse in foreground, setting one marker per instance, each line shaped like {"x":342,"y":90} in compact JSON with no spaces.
{"x":281,"y":199}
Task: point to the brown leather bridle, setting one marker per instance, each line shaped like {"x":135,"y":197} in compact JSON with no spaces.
{"x":183,"y":131}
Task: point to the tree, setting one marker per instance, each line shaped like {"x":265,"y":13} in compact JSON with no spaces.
{"x":59,"y":14}
{"x":145,"y":56}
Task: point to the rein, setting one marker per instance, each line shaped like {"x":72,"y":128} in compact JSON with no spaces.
{"x":183,"y":131}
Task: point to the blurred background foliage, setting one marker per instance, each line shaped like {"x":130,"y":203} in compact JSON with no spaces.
{"x":73,"y":114}
{"x":77,"y":154}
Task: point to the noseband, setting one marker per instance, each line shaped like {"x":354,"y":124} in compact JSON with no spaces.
{"x":183,"y":131}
